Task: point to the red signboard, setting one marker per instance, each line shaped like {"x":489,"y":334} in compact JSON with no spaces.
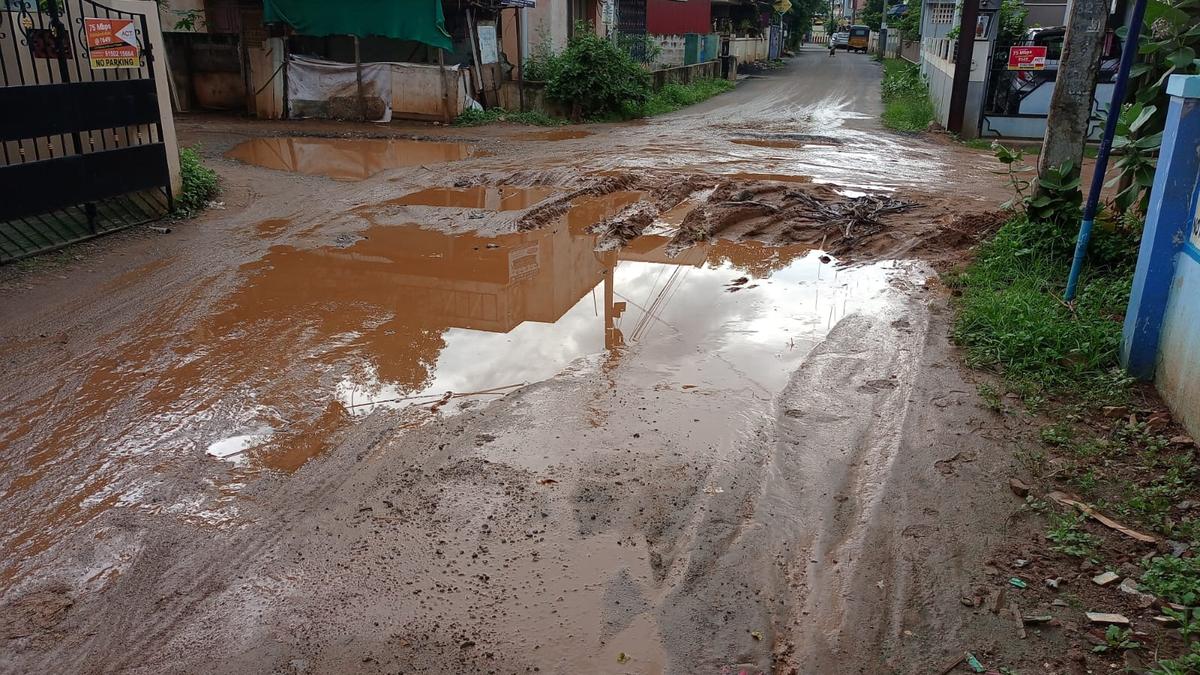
{"x":1027,"y":58}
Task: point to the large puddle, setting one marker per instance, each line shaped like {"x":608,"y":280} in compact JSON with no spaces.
{"x":345,"y":158}
{"x":405,"y":318}
{"x":492,"y":198}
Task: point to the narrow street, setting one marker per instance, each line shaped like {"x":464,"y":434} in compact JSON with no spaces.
{"x":507,"y":399}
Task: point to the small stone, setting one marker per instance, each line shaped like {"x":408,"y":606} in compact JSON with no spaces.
{"x":1105,"y":579}
{"x":1129,"y":586}
{"x":1103,"y":617}
{"x":1187,"y":505}
{"x":1182,"y":440}
{"x":1058,"y":603}
{"x":1018,"y":487}
{"x":1166,"y":621}
{"x":1114,"y":411}
{"x":1020,"y":562}
{"x":1036,"y":618}
{"x":1054,"y":583}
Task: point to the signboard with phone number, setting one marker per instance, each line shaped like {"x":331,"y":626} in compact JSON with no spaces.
{"x":1027,"y":58}
{"x":112,"y":43}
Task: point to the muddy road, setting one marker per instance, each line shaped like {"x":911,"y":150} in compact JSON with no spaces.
{"x":670,"y":396}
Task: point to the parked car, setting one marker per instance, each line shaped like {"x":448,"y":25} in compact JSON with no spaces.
{"x":841,"y":40}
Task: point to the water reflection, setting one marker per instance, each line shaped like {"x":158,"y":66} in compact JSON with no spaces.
{"x":345,"y":158}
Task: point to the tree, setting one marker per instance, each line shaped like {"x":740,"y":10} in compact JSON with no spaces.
{"x":1075,"y":88}
{"x":872,"y":14}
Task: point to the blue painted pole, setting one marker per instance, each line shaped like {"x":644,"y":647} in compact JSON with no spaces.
{"x":1128,"y":50}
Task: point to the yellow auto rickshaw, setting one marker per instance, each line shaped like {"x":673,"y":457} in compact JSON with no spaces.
{"x":859,"y":37}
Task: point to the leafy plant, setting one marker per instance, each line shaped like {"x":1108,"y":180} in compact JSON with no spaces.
{"x":1117,"y":638}
{"x":1012,"y":22}
{"x":199,"y":184}
{"x":541,"y":64}
{"x":1189,"y":621}
{"x":1058,"y":199}
{"x":596,"y":78}
{"x":1175,"y":579}
{"x":1186,"y":664}
{"x":189,"y":20}
{"x":1069,"y":537}
{"x":909,"y":23}
{"x":1168,"y":44}
{"x":1136,"y":154}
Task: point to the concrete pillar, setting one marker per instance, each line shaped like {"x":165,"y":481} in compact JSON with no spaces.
{"x":1169,"y":221}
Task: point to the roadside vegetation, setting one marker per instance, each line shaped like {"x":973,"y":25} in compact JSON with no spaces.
{"x":906,"y":104}
{"x":1107,"y":442}
{"x":597,"y":79}
{"x":475,"y":117}
{"x":199,"y":185}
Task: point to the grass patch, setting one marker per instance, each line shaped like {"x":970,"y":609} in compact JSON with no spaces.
{"x":474,"y":118}
{"x":199,"y":185}
{"x":1011,"y":319}
{"x":674,"y":96}
{"x":906,"y":104}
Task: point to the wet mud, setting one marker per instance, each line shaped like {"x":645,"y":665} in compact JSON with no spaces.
{"x":661,"y":405}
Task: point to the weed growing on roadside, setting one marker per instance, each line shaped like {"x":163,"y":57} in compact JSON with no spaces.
{"x":1117,"y":638}
{"x":1175,"y":579}
{"x":199,"y":184}
{"x":906,"y":104}
{"x":674,"y":96}
{"x":991,"y":396}
{"x":474,"y":117}
{"x":1069,"y":538}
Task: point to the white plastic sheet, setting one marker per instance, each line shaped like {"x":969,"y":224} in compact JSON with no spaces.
{"x":314,"y":85}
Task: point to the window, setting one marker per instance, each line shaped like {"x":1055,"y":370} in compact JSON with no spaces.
{"x":942,"y":13}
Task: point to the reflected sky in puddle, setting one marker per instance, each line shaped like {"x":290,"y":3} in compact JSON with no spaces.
{"x":345,"y":158}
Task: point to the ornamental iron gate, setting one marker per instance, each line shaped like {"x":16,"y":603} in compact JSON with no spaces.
{"x":83,"y":151}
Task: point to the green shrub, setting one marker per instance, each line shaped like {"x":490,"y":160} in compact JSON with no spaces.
{"x":597,"y":78}
{"x":199,"y":184}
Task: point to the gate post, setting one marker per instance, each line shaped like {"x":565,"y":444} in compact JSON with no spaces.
{"x":1169,"y":220}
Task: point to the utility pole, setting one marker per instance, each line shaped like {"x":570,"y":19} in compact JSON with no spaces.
{"x":1075,"y":86}
{"x":962,"y":66}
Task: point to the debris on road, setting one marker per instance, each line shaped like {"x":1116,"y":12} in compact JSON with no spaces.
{"x":1018,"y":582}
{"x":1019,"y":487}
{"x":1067,"y":500}
{"x":1105,"y":578}
{"x":974,"y":664}
{"x":1106,"y":618}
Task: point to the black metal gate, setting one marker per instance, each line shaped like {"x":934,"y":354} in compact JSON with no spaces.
{"x":631,"y":28}
{"x":83,"y":151}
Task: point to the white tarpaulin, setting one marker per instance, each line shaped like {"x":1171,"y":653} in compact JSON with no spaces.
{"x":329,"y":89}
{"x":319,"y":88}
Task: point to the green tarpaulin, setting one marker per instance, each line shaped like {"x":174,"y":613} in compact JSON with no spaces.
{"x":419,"y":20}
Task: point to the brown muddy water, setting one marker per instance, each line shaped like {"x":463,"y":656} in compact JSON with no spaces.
{"x":492,"y":198}
{"x":345,"y":158}
{"x":555,"y":135}
{"x":409,"y":319}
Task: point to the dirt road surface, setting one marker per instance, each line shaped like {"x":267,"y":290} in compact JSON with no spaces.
{"x":670,"y":396}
